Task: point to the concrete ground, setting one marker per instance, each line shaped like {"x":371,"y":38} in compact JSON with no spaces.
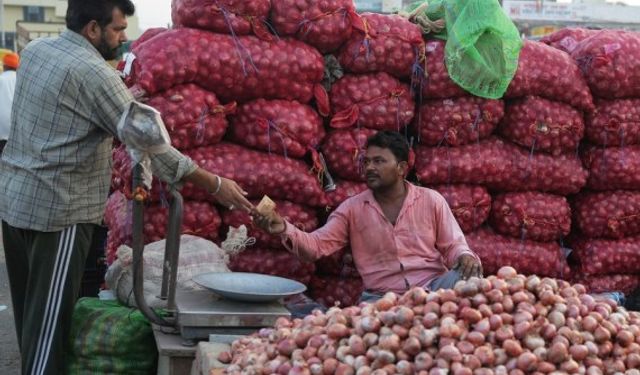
{"x":9,"y":354}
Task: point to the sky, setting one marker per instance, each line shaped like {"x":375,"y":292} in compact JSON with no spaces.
{"x":153,"y":13}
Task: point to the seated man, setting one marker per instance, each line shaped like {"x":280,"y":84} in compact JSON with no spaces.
{"x":401,"y":235}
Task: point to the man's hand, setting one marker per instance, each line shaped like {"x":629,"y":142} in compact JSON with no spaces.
{"x":468,"y":266}
{"x":232,"y":196}
{"x":227,"y":192}
{"x":271,"y":223}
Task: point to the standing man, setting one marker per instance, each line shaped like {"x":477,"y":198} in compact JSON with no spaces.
{"x":10,"y":64}
{"x":401,"y":235}
{"x":55,"y":172}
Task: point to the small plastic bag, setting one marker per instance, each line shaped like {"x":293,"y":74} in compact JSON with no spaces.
{"x":141,"y":128}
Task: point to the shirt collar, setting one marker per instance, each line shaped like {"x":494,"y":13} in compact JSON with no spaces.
{"x":79,"y":40}
{"x":411,"y":194}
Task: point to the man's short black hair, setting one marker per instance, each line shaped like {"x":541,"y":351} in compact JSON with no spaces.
{"x":81,"y":12}
{"x":393,"y":141}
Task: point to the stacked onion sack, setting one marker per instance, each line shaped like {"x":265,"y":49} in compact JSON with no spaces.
{"x":503,"y":324}
{"x":264,"y":92}
{"x":606,"y":242}
{"x":373,"y":94}
{"x":194,"y":118}
{"x":506,"y":166}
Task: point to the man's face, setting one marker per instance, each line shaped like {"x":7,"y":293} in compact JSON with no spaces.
{"x":381,"y":168}
{"x":112,"y":36}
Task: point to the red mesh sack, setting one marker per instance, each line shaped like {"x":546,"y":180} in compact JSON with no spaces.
{"x":609,"y":60}
{"x":543,"y":125}
{"x":344,"y":190}
{"x":121,"y":173}
{"x":199,"y":219}
{"x":527,"y":257}
{"x":614,"y":123}
{"x":121,"y":169}
{"x":376,"y":101}
{"x":325,"y":25}
{"x":238,"y":17}
{"x":487,"y":163}
{"x":111,"y":247}
{"x":193,"y":116}
{"x":531,"y":215}
{"x":611,"y":214}
{"x":272,"y":262}
{"x":344,"y":150}
{"x":550,"y":73}
{"x":117,"y":208}
{"x":610,"y":283}
{"x":302,"y":217}
{"x":382,"y":43}
{"x":567,"y":39}
{"x":284,"y":127}
{"x":242,"y":68}
{"x":613,"y":168}
{"x":259,"y":173}
{"x":148,"y":34}
{"x":606,"y":257}
{"x":562,"y":174}
{"x":339,"y":264}
{"x":331,"y":290}
{"x":470,"y":204}
{"x":438,"y":84}
{"x":500,"y":166}
{"x":256,"y":172}
{"x":458,"y":121}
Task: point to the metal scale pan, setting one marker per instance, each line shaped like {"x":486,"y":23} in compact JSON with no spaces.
{"x":234,"y":303}
{"x":249,"y":287}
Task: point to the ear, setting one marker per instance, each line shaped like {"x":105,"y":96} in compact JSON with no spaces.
{"x":403,"y":168}
{"x":92,"y":31}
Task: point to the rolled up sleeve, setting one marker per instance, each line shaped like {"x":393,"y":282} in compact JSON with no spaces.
{"x":172,"y":166}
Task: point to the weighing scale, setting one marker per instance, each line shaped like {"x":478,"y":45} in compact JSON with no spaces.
{"x":197,"y":315}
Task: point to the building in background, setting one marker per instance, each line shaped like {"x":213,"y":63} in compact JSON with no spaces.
{"x":381,"y":6}
{"x":24,"y":20}
{"x":538,"y":18}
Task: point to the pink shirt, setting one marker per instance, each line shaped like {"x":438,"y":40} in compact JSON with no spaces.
{"x":423,"y":244}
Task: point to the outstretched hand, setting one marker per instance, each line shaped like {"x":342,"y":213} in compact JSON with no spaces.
{"x":232,"y":196}
{"x":271,"y":222}
{"x":468,"y":266}
{"x":226,"y":192}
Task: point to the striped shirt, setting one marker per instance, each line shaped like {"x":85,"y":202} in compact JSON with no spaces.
{"x":56,"y":167}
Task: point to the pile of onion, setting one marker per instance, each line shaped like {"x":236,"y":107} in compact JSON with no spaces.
{"x":504,"y":324}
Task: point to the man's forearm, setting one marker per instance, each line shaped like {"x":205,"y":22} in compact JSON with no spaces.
{"x":201,"y":177}
{"x":322,"y":242}
{"x":295,"y":242}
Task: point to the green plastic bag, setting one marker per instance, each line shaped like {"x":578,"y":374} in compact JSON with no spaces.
{"x":108,"y":338}
{"x":483,"y":44}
